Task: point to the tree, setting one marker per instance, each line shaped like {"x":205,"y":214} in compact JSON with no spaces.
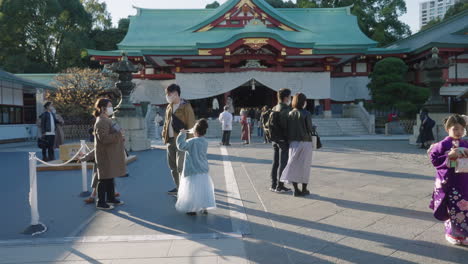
{"x":78,"y":90}
{"x":378,"y":19}
{"x":281,"y":4}
{"x":213,"y":5}
{"x":391,"y":91}
{"x":454,"y":10}
{"x":44,"y":32}
{"x":431,"y":23}
{"x":306,"y":4}
{"x":99,"y":15}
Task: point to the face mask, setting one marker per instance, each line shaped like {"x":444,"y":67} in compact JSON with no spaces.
{"x":305,"y":105}
{"x":53,"y":110}
{"x":170,"y":98}
{"x":109,"y":111}
{"x":288,"y":102}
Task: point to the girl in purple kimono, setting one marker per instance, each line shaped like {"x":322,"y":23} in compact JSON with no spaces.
{"x":450,"y":196}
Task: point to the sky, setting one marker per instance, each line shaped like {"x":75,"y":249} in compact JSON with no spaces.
{"x":123,"y":8}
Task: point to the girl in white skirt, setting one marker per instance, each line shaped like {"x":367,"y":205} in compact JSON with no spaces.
{"x":196,"y":191}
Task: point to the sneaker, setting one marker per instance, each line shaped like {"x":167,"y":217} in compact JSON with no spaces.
{"x":89,"y":200}
{"x":116,"y":202}
{"x":454,"y":240}
{"x":273,"y":189}
{"x":305,"y":192}
{"x":173,"y":191}
{"x":204,"y":212}
{"x":191,"y":213}
{"x":104,"y":206}
{"x":282,"y":189}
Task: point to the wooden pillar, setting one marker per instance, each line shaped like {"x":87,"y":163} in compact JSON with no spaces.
{"x":327,"y":108}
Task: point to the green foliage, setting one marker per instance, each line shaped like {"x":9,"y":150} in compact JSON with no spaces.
{"x":431,"y":23}
{"x":378,"y":19}
{"x":45,"y":31}
{"x":213,"y":5}
{"x":39,"y":36}
{"x":456,"y":9}
{"x":78,"y":90}
{"x":99,"y":15}
{"x":306,"y":4}
{"x":281,"y":4}
{"x":391,"y":91}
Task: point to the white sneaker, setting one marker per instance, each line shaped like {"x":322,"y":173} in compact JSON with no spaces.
{"x":454,"y":241}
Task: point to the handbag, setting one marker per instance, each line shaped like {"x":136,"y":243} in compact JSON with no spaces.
{"x":317,"y":143}
{"x":177,"y":124}
{"x":462,"y":165}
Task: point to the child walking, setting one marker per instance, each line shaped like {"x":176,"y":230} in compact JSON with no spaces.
{"x":450,"y":196}
{"x":196,"y":191}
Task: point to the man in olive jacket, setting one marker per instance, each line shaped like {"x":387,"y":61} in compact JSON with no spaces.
{"x":183,"y":111}
{"x":281,"y":145}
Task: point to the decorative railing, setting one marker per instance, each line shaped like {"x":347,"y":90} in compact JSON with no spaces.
{"x":358,"y":111}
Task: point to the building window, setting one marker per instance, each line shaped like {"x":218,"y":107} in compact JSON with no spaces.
{"x":424,"y":6}
{"x":11,"y":114}
{"x":432,"y":5}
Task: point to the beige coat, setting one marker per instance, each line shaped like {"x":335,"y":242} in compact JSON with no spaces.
{"x":184,"y":113}
{"x":110,"y":151}
{"x":59,"y":134}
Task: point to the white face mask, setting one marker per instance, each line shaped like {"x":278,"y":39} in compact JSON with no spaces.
{"x":53,"y":110}
{"x":170,"y":98}
{"x":305,"y":105}
{"x":109,"y":111}
{"x":288,"y":102}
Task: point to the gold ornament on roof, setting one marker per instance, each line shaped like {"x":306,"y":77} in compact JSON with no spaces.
{"x":307,"y":52}
{"x":256,"y":43}
{"x":204,"y":52}
{"x":206,"y":28}
{"x":285,"y":28}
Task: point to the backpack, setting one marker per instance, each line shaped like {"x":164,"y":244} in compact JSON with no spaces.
{"x":275,"y":132}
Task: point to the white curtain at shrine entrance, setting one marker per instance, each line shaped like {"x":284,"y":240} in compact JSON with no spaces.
{"x":315,"y":85}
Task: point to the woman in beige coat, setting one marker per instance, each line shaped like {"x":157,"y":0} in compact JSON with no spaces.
{"x":110,"y":154}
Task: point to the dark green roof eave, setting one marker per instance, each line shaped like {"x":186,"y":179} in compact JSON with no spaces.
{"x":6,"y":76}
{"x":464,"y":13}
{"x":438,"y":45}
{"x":130,"y":52}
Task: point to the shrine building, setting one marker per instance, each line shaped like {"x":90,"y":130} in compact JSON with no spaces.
{"x":248,"y":50}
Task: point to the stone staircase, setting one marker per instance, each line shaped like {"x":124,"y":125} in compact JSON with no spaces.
{"x":325,"y":127}
{"x":339,"y":126}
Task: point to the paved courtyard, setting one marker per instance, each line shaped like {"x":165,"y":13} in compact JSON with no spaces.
{"x":369,"y":205}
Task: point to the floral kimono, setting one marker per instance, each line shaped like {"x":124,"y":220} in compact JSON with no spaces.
{"x":450,"y":196}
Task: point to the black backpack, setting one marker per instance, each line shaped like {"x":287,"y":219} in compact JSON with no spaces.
{"x":275,"y":131}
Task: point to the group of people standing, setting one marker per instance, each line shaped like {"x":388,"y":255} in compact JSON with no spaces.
{"x":291,"y":132}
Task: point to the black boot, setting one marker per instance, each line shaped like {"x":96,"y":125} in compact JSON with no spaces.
{"x":304,"y":190}
{"x":296,"y":192}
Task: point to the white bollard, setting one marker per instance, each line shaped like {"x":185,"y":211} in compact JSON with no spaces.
{"x":84,"y":172}
{"x":36,"y":227}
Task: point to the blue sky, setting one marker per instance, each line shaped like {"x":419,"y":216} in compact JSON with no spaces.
{"x":123,"y":8}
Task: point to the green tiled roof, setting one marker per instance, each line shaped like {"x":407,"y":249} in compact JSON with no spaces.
{"x":6,"y":76}
{"x":174,"y":30}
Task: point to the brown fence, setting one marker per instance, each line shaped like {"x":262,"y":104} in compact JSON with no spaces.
{"x":73,"y":132}
{"x":408,"y":125}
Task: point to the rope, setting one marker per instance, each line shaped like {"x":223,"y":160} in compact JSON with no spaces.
{"x":63,"y":164}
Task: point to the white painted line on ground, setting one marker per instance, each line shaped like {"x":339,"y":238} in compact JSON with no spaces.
{"x":107,"y":239}
{"x":266,"y":211}
{"x":238,"y":217}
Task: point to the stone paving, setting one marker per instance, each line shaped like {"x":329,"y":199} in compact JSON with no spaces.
{"x":369,"y":205}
